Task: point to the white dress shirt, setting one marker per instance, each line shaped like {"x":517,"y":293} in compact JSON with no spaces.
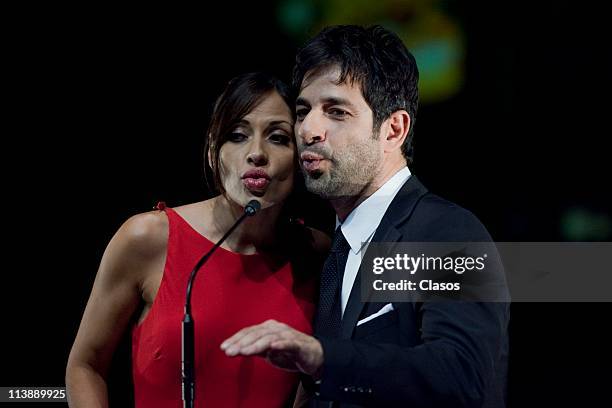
{"x":361,"y":224}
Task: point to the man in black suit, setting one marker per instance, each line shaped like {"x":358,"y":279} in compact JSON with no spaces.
{"x":355,"y":114}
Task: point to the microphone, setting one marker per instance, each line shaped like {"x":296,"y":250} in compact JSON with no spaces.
{"x":188,"y":346}
{"x":252,"y":207}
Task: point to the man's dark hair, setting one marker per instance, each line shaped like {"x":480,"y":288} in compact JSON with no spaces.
{"x":241,"y":95}
{"x":374,"y":58}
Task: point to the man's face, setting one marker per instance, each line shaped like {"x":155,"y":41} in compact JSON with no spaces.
{"x":339,"y":153}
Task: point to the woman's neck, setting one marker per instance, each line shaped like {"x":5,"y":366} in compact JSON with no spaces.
{"x":253,"y":234}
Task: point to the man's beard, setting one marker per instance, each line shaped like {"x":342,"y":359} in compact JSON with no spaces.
{"x":351,"y":171}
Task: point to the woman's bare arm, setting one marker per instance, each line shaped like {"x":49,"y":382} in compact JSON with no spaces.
{"x":134,"y":255}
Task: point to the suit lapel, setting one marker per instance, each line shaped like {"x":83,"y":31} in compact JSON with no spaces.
{"x":399,"y":211}
{"x":355,"y":306}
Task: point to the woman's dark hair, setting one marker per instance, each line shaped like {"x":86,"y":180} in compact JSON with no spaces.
{"x":374,"y":58}
{"x":241,"y":95}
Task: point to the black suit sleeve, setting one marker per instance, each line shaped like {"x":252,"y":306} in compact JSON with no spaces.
{"x":453,"y":365}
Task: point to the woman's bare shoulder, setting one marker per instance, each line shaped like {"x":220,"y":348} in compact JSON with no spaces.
{"x":144,"y":234}
{"x":148,"y":232}
{"x":135,"y":251}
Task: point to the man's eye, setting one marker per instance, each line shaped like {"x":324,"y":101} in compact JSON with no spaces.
{"x":301,"y":113}
{"x":339,"y":113}
{"x":236,"y":137}
{"x":280,"y":138}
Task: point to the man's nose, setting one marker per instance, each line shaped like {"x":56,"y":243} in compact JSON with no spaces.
{"x":257,"y":155}
{"x":311,"y":129}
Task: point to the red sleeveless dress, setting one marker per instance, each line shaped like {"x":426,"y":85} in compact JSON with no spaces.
{"x":231,"y":291}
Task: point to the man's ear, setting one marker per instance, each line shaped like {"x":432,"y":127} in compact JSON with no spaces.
{"x":397,"y":128}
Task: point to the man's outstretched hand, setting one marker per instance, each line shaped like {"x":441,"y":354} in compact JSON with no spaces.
{"x":283,"y":346}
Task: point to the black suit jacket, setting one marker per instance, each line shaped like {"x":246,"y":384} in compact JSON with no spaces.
{"x":427,"y":354}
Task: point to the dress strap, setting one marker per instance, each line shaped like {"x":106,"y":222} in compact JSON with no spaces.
{"x":160,"y":206}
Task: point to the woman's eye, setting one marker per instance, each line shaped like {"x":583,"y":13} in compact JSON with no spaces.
{"x":236,"y":137}
{"x":280,"y":138}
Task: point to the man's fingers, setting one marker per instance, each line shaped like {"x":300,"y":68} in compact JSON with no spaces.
{"x":257,"y":347}
{"x":245,"y":332}
{"x":253,"y":336}
{"x":237,"y":336}
{"x":280,"y":344}
{"x":246,"y":339}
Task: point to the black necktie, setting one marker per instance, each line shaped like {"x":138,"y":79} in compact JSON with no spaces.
{"x":328,"y":321}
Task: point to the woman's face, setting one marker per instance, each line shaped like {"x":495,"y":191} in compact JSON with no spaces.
{"x":258,"y":159}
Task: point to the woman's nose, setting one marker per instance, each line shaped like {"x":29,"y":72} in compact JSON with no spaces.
{"x":257,"y":155}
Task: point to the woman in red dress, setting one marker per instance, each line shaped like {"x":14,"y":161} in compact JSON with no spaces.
{"x":267,"y":269}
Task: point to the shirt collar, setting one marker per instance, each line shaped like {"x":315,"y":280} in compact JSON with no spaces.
{"x":362,"y":222}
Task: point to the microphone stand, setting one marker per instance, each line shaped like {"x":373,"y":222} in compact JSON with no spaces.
{"x":188,"y":346}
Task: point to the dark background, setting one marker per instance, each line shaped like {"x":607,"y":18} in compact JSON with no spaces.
{"x":106,"y":111}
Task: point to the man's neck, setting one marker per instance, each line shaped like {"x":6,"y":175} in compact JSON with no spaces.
{"x":345,"y":205}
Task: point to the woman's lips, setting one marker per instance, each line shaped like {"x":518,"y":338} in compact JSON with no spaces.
{"x":256,"y":179}
{"x":253,"y":183}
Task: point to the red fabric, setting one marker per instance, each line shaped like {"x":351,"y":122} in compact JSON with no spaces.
{"x":231,"y":292}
